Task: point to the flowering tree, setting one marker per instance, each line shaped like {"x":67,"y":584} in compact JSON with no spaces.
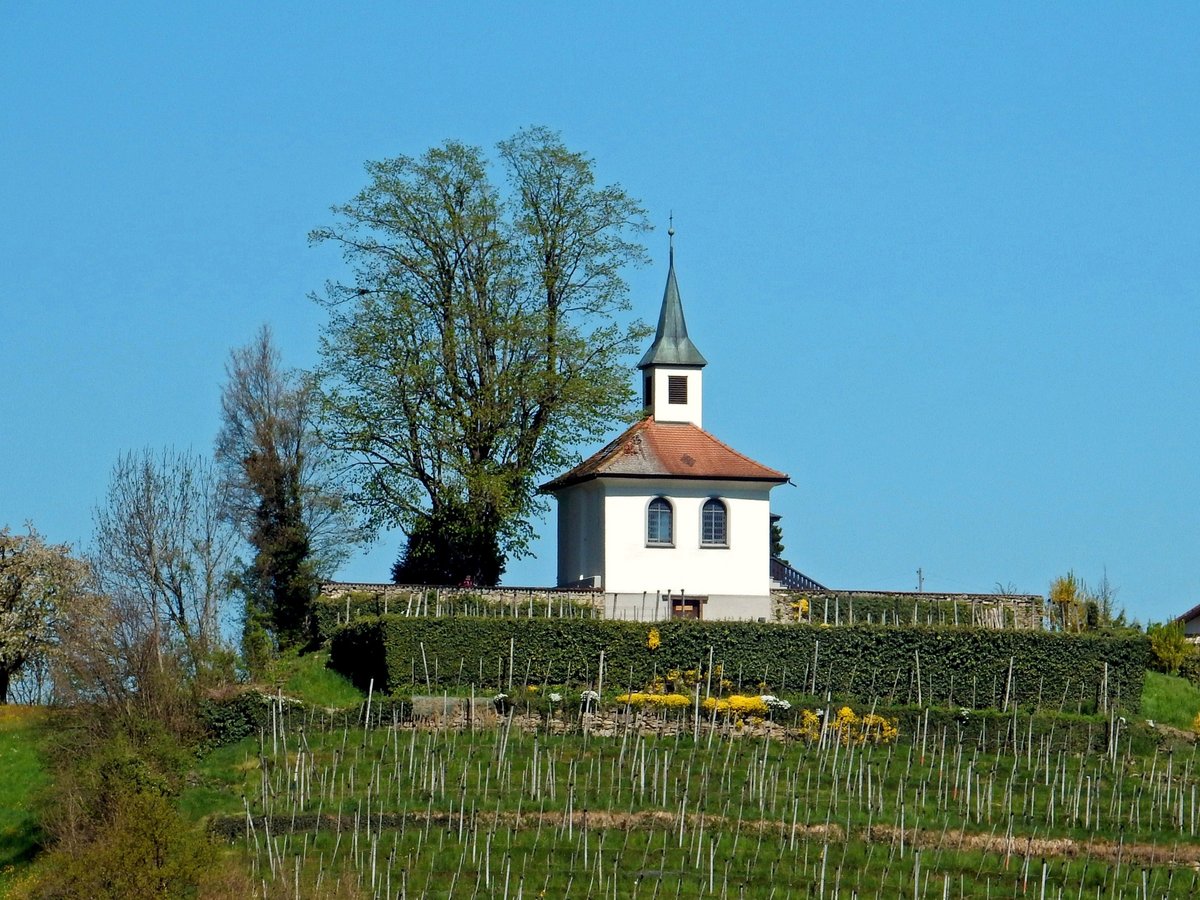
{"x":37,"y":583}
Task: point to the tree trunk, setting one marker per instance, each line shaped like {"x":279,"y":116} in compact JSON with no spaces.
{"x":5,"y":676}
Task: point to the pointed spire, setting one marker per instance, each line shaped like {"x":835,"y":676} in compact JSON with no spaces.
{"x":672,"y":346}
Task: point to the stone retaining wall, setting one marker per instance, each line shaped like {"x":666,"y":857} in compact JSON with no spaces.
{"x":833,"y":607}
{"x":418,"y":599}
{"x":826,"y":607}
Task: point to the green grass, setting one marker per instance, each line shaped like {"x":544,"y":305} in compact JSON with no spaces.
{"x":306,"y":677}
{"x":1170,"y":700}
{"x":219,"y":779}
{"x":22,"y":774}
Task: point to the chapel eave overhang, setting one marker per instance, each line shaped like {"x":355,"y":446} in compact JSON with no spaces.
{"x":667,"y":450}
{"x":559,"y":483}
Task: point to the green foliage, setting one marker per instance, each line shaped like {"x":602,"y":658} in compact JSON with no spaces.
{"x":482,"y":340}
{"x":229,"y":719}
{"x":1170,"y":646}
{"x":777,"y":547}
{"x":1071,"y":731}
{"x":304,"y":680}
{"x":258,"y":646}
{"x":956,"y":665}
{"x":110,"y":813}
{"x":280,"y":583}
{"x":449,"y":545}
{"x":143,"y":848}
{"x":278,"y":492}
{"x":331,"y":613}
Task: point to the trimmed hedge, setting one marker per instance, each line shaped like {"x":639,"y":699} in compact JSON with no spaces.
{"x":331,"y":613}
{"x":957,"y":666}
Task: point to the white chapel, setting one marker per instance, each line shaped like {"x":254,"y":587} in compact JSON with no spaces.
{"x":667,"y":520}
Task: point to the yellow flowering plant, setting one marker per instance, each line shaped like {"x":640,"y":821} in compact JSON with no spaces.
{"x":878,"y":730}
{"x":810,"y":725}
{"x":870,"y":729}
{"x":660,"y":701}
{"x":738,"y":705}
{"x":849,"y":728}
{"x":800,"y":608}
{"x":654,"y":641}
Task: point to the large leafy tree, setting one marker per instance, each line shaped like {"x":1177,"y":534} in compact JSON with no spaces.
{"x":38,"y":582}
{"x":482,"y":336}
{"x":280,"y":489}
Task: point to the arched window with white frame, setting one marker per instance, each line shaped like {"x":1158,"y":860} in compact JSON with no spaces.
{"x":660,"y":523}
{"x":714,"y":524}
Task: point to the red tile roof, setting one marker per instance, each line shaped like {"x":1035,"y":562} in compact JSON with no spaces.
{"x":651,"y":449}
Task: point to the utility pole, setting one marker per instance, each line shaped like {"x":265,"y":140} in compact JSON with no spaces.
{"x":920,"y":581}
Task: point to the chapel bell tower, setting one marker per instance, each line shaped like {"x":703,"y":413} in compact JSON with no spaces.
{"x":672,"y":368}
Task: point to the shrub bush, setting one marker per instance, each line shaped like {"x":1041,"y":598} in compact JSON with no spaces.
{"x":227,"y":720}
{"x":925,"y":665}
{"x":1170,"y":648}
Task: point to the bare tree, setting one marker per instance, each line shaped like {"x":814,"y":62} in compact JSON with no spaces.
{"x":280,"y":487}
{"x":38,"y":582}
{"x":1104,"y":600}
{"x":110,"y":658}
{"x":162,"y":551}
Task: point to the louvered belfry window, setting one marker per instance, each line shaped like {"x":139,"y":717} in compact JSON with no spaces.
{"x":677,"y":389}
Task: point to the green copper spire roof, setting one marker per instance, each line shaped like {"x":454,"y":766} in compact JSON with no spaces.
{"x":672,"y":346}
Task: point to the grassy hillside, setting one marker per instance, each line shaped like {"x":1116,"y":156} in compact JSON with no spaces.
{"x":1170,"y":700}
{"x":656,"y":805}
{"x":652,"y":811}
{"x":307,"y":677}
{"x":22,"y":774}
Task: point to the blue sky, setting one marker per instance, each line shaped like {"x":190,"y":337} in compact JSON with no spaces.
{"x":942,"y":258}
